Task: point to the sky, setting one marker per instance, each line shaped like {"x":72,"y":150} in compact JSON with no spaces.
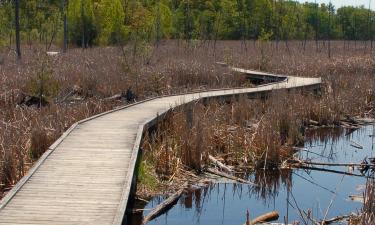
{"x":339,"y":3}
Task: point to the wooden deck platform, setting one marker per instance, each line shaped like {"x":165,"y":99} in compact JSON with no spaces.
{"x":85,"y":177}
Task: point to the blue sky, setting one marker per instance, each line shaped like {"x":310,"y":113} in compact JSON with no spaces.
{"x":339,"y":3}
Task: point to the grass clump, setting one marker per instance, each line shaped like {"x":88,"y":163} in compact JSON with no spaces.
{"x":147,"y":181}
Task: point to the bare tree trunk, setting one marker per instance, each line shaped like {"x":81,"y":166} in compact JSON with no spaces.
{"x":83,"y":26}
{"x":17,"y":26}
{"x":65,"y":9}
{"x":369,"y":33}
{"x":316,"y":27}
{"x":329,"y":29}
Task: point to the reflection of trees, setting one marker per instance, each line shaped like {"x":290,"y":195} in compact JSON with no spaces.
{"x":323,"y":135}
{"x":269,"y":182}
{"x":328,"y":138}
{"x":267,"y":188}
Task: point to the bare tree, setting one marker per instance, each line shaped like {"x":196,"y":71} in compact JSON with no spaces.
{"x":17,"y":27}
{"x":64,"y":10}
{"x":330,"y":12}
{"x":369,"y":33}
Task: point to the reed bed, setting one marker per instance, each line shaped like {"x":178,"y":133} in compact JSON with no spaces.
{"x":245,"y":133}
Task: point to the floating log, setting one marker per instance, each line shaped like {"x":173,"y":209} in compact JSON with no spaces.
{"x":164,"y":206}
{"x":231,"y":177}
{"x":356,"y":145}
{"x":271,"y":216}
{"x":219,"y":164}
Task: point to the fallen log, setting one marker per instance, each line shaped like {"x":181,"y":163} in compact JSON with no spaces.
{"x":164,"y":206}
{"x":222,"y":174}
{"x":114,"y":97}
{"x":365,"y":120}
{"x":219,"y":164}
{"x":268,"y":217}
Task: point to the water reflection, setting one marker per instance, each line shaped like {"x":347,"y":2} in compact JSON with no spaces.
{"x":286,"y":191}
{"x":269,"y":182}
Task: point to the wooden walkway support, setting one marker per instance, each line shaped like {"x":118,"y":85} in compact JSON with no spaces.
{"x":85,"y":177}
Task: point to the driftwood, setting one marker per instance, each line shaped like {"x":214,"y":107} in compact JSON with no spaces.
{"x":219,"y":164}
{"x":271,"y":216}
{"x":231,"y":177}
{"x":164,"y":206}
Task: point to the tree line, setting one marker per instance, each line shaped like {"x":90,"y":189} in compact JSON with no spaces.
{"x":108,"y":22}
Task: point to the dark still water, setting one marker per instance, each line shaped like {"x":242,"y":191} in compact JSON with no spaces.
{"x":284,"y":191}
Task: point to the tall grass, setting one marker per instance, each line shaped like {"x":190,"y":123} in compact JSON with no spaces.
{"x":257,"y":134}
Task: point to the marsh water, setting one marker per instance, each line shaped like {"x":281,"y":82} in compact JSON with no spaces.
{"x":287,"y":191}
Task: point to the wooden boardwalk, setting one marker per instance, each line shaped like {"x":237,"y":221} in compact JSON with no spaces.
{"x":85,"y":177}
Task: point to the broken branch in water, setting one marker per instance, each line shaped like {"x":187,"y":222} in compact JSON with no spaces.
{"x":328,"y":170}
{"x":363,"y":167}
{"x":332,"y":164}
{"x":164,"y":206}
{"x":335,"y":219}
{"x":271,"y":216}
{"x":356,"y":145}
{"x":222,"y":174}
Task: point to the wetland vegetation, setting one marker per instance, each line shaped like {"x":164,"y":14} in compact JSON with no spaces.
{"x":259,"y":154}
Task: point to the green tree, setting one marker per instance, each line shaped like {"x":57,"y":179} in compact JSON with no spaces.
{"x":162,"y":21}
{"x":82,"y":24}
{"x":110,"y":17}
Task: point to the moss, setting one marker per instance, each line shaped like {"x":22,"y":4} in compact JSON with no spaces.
{"x":146,"y":177}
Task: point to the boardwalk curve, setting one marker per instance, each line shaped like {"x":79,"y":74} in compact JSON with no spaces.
{"x":86,"y":176}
